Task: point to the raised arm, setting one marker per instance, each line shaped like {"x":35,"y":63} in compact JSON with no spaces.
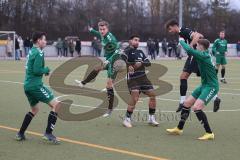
{"x":94,"y":32}
{"x":191,"y":51}
{"x":195,"y":37}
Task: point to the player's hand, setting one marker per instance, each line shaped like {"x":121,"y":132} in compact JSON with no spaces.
{"x":48,"y":71}
{"x":130,"y":70}
{"x":137,"y":65}
{"x":89,"y":28}
{"x":105,"y":63}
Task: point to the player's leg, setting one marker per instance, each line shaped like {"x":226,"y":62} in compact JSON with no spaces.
{"x":92,"y":75}
{"x":223,"y":70}
{"x":188,"y":103}
{"x":202,"y":117}
{"x":183,"y":87}
{"x":110,"y":94}
{"x":131,"y":106}
{"x":152,"y":107}
{"x":43,"y":94}
{"x":29,"y":116}
{"x":27,"y":120}
{"x":185,"y":112}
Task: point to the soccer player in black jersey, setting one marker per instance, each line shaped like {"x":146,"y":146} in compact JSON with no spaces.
{"x":191,"y":37}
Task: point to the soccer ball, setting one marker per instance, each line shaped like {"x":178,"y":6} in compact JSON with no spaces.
{"x":119,"y":65}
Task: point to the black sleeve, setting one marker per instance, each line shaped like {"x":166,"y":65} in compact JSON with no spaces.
{"x":146,"y":61}
{"x":186,"y":33}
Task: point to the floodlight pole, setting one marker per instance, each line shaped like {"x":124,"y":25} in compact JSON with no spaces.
{"x":180,"y":16}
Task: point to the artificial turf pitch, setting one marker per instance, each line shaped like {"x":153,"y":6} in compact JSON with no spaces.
{"x":106,"y":138}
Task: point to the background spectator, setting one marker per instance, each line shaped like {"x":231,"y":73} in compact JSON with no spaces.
{"x":65,"y":48}
{"x":21,"y":46}
{"x":164,"y":46}
{"x":96,"y":44}
{"x":27,"y":46}
{"x":151,"y":48}
{"x":71,"y":46}
{"x":238,"y":48}
{"x":170,"y":48}
{"x":59,"y":47}
{"x":157,"y":47}
{"x":78,"y":47}
{"x":17,"y":49}
{"x":9,"y":47}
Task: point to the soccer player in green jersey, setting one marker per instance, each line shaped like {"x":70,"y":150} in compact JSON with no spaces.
{"x":111,"y":53}
{"x":219,"y":50}
{"x":36,"y":92}
{"x":203,"y":93}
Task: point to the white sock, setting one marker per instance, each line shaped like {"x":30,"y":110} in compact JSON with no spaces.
{"x":216,"y":96}
{"x":182,"y":99}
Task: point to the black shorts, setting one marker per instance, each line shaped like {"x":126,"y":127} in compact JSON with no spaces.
{"x":141,"y":83}
{"x":191,"y":66}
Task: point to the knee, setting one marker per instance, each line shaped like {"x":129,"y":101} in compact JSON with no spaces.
{"x":109,"y":84}
{"x":184,"y":76}
{"x":35,"y":111}
{"x":187,"y":104}
{"x":223,"y":67}
{"x":135,"y":99}
{"x":197,"y":107}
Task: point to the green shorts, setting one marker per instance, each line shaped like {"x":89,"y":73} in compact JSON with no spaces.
{"x":39,"y":94}
{"x":221,"y":60}
{"x":111,"y":73}
{"x":205,"y":93}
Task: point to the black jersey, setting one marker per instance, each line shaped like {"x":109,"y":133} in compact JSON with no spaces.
{"x":186,"y":33}
{"x":136,"y":55}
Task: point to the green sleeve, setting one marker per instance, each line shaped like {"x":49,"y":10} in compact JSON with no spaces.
{"x":195,"y":53}
{"x":38,"y":68}
{"x":214,"y":47}
{"x":95,"y":33}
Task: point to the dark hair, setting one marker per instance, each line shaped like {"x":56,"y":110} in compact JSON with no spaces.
{"x":204,"y":42}
{"x":37,"y":35}
{"x":171,"y":22}
{"x":222,"y":31}
{"x":134,"y":36}
{"x":103,"y":23}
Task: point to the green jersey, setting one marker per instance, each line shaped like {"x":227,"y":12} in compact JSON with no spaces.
{"x":219,"y":47}
{"x":109,"y":43}
{"x":205,"y":64}
{"x":35,"y":68}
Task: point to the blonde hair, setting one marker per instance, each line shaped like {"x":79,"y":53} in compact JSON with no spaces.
{"x":103,"y":23}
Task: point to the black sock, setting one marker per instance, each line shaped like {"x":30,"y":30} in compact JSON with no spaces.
{"x":152,"y":111}
{"x":26,"y":122}
{"x":52,"y":118}
{"x":183,"y":87}
{"x":129,"y":114}
{"x":110,"y":94}
{"x":92,"y":75}
{"x":216,"y":71}
{"x":223,"y":72}
{"x":203,"y":119}
{"x":184,"y":116}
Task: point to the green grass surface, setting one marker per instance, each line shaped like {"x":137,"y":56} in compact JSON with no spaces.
{"x":109,"y":132}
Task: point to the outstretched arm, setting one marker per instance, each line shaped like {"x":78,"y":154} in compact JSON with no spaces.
{"x":191,"y":51}
{"x":94,"y":32}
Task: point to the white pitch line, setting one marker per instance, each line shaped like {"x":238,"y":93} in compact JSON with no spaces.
{"x":174,"y":91}
{"x":142,"y":110}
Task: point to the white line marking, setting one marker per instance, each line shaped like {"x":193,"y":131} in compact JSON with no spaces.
{"x":84,"y":106}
